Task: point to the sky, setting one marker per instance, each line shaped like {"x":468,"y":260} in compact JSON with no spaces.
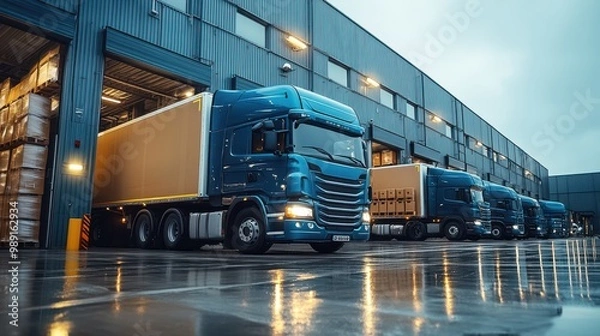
{"x":529,"y":68}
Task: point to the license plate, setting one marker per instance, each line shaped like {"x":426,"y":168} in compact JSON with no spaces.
{"x":341,"y":238}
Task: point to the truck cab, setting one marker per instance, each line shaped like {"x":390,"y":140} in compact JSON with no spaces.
{"x":555,"y":219}
{"x":297,"y":160}
{"x":533,"y":217}
{"x":507,"y":211}
{"x":455,"y":195}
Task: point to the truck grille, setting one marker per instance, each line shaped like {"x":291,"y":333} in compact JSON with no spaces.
{"x":557,"y":223}
{"x":339,"y":201}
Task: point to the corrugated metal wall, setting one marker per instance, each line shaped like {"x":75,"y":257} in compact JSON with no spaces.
{"x":579,"y":192}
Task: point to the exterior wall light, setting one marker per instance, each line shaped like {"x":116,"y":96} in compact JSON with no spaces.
{"x":295,"y":43}
{"x":74,"y":168}
{"x":436,"y":119}
{"x":371,"y":82}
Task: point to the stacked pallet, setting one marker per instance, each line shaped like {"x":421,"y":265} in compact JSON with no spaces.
{"x":23,"y":163}
{"x":398,"y":202}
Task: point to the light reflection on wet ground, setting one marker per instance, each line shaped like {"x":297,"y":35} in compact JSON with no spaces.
{"x":436,"y":287}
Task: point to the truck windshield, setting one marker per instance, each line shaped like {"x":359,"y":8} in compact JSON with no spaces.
{"x":477,"y":196}
{"x":320,"y":142}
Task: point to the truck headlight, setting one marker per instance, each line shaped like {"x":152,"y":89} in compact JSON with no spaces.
{"x":477,"y":222}
{"x":366,"y":216}
{"x":298,"y":211}
{"x":516,"y":227}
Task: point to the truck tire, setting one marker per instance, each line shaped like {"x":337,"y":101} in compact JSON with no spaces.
{"x":417,"y":231}
{"x":143,"y":229}
{"x":99,"y":236}
{"x":249,"y":232}
{"x":497,"y":232}
{"x":454,"y":231}
{"x":173,"y":229}
{"x":329,"y":247}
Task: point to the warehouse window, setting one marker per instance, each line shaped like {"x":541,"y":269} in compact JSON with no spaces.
{"x":411,"y":110}
{"x":177,"y":4}
{"x":449,"y":131}
{"x":337,"y":73}
{"x":250,"y":29}
{"x":386,"y":98}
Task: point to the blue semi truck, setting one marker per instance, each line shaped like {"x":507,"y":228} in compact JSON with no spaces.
{"x":417,"y":201}
{"x":507,"y":211}
{"x":533,"y":216}
{"x":244,"y":168}
{"x":555,"y":216}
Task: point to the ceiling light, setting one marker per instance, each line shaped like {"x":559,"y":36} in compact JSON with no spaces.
{"x":295,"y":43}
{"x":112,"y":100}
{"x":188,"y":93}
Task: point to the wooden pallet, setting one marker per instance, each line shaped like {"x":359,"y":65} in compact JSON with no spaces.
{"x":28,"y":140}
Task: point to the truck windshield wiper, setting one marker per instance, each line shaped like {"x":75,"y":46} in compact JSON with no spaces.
{"x":320,"y":150}
{"x":353,"y":159}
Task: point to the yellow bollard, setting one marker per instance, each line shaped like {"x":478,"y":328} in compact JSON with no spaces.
{"x":74,"y":234}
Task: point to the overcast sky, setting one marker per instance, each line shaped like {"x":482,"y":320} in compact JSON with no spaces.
{"x":529,"y":68}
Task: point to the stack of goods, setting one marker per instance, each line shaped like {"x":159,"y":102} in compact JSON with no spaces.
{"x":23,"y":164}
{"x":24,"y":135}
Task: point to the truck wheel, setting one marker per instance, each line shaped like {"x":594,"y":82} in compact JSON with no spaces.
{"x":173,"y":229}
{"x":497,"y":232}
{"x":249,"y":232}
{"x":454,"y":231}
{"x":417,"y":231}
{"x":100,"y":236}
{"x":327,"y":247}
{"x":143,"y":229}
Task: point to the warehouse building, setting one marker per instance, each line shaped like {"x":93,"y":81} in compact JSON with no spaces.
{"x":92,"y":65}
{"x":580,"y":193}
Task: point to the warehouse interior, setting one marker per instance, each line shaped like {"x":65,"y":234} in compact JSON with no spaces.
{"x":31,"y":69}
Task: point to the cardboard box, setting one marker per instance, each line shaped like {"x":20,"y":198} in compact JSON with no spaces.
{"x":26,"y":181}
{"x":29,"y":156}
{"x":33,"y":104}
{"x":32,"y":126}
{"x":4,"y":160}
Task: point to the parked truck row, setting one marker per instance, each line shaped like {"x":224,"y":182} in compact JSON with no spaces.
{"x":249,"y":169}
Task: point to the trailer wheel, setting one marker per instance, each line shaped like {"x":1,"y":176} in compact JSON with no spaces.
{"x":100,"y":232}
{"x":173,"y":229}
{"x":249,"y":232}
{"x":454,"y":231}
{"x":417,"y":231}
{"x":143,"y":233}
{"x":327,"y":247}
{"x":497,"y":232}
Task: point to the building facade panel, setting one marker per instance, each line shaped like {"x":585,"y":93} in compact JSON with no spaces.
{"x":356,"y":48}
{"x":291,"y":16}
{"x":438,"y":101}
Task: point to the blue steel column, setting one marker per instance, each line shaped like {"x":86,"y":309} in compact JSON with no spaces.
{"x":78,"y":120}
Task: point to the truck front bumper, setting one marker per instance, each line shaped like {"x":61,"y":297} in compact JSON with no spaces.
{"x":304,"y":231}
{"x":478,"y":229}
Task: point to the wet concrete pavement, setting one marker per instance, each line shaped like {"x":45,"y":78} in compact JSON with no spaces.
{"x":436,"y":287}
